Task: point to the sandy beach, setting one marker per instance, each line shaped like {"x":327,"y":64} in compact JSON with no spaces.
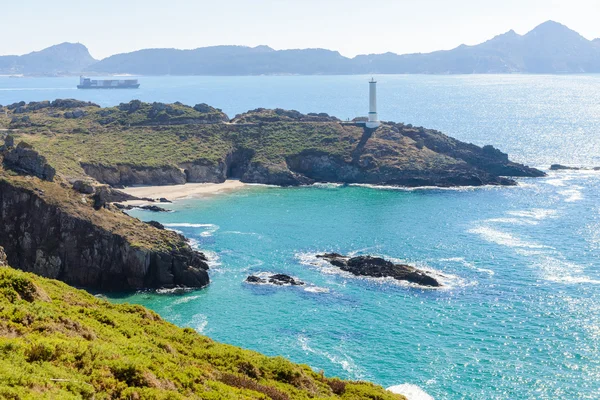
{"x":175,"y":192}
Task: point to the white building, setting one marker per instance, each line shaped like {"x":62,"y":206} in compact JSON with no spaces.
{"x":373,"y":121}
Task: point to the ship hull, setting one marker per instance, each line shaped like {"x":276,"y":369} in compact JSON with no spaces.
{"x":136,"y":86}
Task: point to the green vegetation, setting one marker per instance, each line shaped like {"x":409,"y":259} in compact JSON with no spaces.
{"x":57,"y":342}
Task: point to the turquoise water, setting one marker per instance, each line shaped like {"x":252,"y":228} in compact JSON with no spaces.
{"x":520,"y":315}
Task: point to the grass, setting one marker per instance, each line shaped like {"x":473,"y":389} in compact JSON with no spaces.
{"x":57,"y":342}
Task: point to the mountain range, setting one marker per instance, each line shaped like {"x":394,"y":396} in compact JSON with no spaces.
{"x":549,"y":48}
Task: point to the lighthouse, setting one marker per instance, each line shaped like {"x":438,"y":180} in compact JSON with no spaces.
{"x":373,"y":121}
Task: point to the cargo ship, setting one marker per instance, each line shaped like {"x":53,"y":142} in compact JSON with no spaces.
{"x":87,"y":83}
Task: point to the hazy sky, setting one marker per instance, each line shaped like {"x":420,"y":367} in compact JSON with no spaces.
{"x":350,"y":26}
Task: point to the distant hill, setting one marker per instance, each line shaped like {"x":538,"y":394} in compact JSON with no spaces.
{"x":549,"y":48}
{"x":65,"y":58}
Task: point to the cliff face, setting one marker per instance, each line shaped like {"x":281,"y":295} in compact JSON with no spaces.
{"x":55,"y":241}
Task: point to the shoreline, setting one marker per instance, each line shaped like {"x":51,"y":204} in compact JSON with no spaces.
{"x":178,"y":192}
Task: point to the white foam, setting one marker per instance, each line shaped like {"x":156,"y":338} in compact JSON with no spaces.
{"x":571,"y":195}
{"x":316,"y":289}
{"x":175,"y":290}
{"x":562,"y":271}
{"x":199,"y":322}
{"x":343,"y":360}
{"x":187,"y":225}
{"x":556,"y":182}
{"x":328,"y":185}
{"x":511,"y":221}
{"x":534,"y":213}
{"x":410,"y":391}
{"x":209,"y":229}
{"x":412,"y":189}
{"x":242,"y":233}
{"x":468,"y":264}
{"x":504,"y":238}
{"x":185,"y":299}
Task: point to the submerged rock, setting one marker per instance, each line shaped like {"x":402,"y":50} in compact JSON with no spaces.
{"x":277,"y":279}
{"x":377,"y":267}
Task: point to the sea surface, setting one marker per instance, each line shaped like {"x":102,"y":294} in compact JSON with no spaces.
{"x":519,"y":316}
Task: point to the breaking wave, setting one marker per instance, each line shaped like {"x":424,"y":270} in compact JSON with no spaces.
{"x":345,"y":361}
{"x":504,"y":238}
{"x":411,"y":392}
{"x":208,"y":229}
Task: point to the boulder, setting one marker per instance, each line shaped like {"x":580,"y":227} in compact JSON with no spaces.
{"x":156,"y":224}
{"x":25,"y":159}
{"x":84,"y":187}
{"x":75,"y":114}
{"x":377,"y":267}
{"x":72,"y":103}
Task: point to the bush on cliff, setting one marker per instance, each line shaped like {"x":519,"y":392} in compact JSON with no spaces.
{"x":57,"y":342}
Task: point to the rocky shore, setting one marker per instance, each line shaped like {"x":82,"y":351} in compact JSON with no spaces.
{"x":201,"y":144}
{"x":377,"y":267}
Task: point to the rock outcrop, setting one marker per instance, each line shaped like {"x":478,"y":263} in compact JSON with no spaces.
{"x":56,"y":238}
{"x":3,"y":260}
{"x":377,"y":267}
{"x":486,"y":158}
{"x":23,"y":158}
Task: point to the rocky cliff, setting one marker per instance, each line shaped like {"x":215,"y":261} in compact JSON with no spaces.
{"x":54,"y":231}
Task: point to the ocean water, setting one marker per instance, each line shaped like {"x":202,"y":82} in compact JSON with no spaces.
{"x":519,"y":316}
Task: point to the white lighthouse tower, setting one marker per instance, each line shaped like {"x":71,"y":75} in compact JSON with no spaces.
{"x":373,"y":121}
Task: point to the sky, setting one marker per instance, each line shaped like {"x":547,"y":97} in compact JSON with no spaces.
{"x":349,"y":26}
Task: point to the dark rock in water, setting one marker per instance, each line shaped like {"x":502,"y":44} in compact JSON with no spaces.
{"x":26,"y":160}
{"x":277,"y":279}
{"x":123,"y":206}
{"x":156,"y":224}
{"x":146,"y":207}
{"x":164,"y":200}
{"x":377,"y":267}
{"x":153,"y":208}
{"x":255,"y":279}
{"x":282,"y":279}
{"x":558,"y":167}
